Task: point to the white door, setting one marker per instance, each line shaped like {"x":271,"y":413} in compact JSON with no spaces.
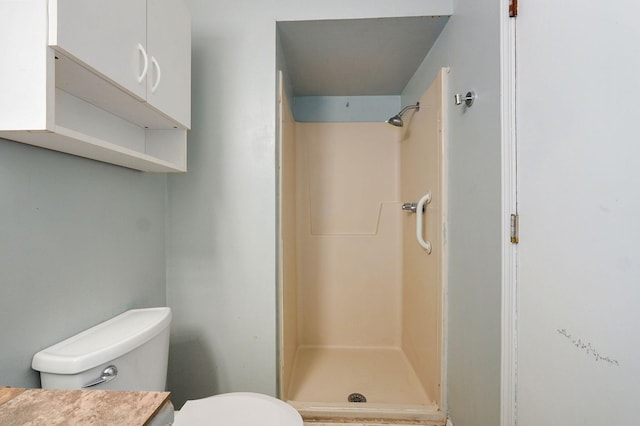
{"x":169,"y":42}
{"x":579,"y":202}
{"x":106,"y":36}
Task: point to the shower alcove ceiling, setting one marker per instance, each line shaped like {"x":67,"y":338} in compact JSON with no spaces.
{"x":356,"y":57}
{"x":347,"y":318}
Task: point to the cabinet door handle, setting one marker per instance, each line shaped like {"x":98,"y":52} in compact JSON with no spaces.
{"x":145,"y":67}
{"x":156,"y":65}
{"x":419,"y":209}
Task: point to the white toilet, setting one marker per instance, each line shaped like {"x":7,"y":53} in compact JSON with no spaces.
{"x":130,"y":352}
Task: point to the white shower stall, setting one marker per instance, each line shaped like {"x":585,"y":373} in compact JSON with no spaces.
{"x":361,"y":301}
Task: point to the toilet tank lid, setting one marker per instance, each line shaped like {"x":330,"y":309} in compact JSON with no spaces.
{"x":103,"y":342}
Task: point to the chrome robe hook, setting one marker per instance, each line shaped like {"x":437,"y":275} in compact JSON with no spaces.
{"x":467,"y":99}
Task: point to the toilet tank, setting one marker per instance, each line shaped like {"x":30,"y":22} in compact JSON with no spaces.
{"x":127,"y":352}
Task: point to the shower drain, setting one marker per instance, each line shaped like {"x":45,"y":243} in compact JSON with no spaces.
{"x":356,"y":397}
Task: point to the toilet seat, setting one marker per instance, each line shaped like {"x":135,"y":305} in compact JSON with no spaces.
{"x":238,"y":409}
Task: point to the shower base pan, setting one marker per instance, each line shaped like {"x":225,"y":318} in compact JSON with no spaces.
{"x":323,"y":379}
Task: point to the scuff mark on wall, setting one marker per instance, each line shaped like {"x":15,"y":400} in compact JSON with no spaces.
{"x":588,"y":348}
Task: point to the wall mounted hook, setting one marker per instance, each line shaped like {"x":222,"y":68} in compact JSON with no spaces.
{"x":467,"y":99}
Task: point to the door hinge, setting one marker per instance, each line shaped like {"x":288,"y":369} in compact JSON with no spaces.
{"x":515,"y":228}
{"x":513,"y":8}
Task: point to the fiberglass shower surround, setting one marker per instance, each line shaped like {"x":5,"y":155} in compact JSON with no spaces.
{"x":361,"y":307}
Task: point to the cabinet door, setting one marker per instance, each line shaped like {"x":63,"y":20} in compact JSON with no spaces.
{"x":169,"y":41}
{"x":104,"y":36}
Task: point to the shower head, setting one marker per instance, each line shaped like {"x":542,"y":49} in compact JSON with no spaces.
{"x":396,"y":120}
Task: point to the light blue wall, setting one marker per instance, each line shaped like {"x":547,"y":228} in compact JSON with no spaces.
{"x":345,"y":108}
{"x":80,"y":241}
{"x":470,"y":46}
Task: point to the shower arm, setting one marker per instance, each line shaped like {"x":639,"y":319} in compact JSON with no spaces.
{"x":403,"y":110}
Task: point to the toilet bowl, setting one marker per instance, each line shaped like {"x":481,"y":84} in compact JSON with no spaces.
{"x":237,"y":409}
{"x":130,"y":352}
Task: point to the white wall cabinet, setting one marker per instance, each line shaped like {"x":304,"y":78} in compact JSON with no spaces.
{"x":169,"y":44}
{"x":109,"y":38}
{"x":112,"y":83}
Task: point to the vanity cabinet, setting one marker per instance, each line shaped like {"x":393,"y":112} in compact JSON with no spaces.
{"x":84,"y":407}
{"x":110,"y":81}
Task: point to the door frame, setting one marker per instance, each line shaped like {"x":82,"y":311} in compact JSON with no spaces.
{"x":508,"y":363}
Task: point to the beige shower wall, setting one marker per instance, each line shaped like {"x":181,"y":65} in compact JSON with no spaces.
{"x":349,"y":234}
{"x":422,"y":171}
{"x":288,"y":280}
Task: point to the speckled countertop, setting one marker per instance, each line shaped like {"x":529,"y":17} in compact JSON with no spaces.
{"x":78,"y":407}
